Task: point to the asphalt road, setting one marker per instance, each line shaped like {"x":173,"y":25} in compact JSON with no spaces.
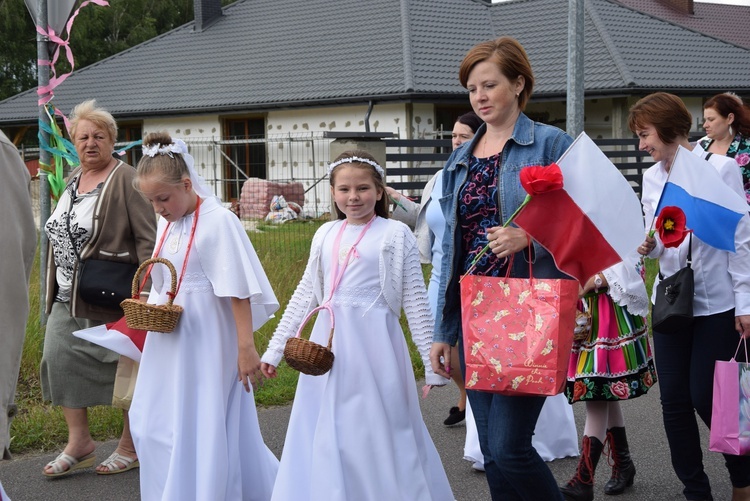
{"x":654,"y":481}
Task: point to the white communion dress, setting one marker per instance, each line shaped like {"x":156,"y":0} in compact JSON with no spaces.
{"x":357,"y":433}
{"x":194,"y":426}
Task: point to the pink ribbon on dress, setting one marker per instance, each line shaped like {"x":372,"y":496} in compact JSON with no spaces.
{"x":336,"y":274}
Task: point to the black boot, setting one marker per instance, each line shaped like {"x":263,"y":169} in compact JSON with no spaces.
{"x":581,"y":486}
{"x":623,"y":469}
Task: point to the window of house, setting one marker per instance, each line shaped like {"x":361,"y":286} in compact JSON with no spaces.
{"x":247,"y":156}
{"x":126,"y":134}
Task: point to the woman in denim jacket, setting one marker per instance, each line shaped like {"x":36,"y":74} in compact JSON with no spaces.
{"x":481,"y":189}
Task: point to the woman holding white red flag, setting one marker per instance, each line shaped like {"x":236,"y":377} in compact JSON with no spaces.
{"x":481,"y":189}
{"x":721,"y":303}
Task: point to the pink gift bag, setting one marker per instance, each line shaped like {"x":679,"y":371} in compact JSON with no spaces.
{"x":517,"y":333}
{"x":730,"y":413}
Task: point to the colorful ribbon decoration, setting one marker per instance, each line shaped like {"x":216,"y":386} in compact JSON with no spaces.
{"x":125,"y":148}
{"x":60,"y":149}
{"x":46,"y":93}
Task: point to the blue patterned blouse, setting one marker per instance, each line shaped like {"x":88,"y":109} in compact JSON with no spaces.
{"x":478,"y":211}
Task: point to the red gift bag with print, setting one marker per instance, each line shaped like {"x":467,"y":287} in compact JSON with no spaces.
{"x":517,"y":333}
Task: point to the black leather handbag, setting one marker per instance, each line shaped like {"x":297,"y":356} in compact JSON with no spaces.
{"x":673,"y":304}
{"x":101,"y":282}
{"x":105,"y":283}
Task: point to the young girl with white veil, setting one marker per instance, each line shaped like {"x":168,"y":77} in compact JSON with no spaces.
{"x":193,"y":415}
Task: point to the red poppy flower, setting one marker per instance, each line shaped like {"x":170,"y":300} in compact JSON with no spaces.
{"x":537,"y":179}
{"x":671,"y":226}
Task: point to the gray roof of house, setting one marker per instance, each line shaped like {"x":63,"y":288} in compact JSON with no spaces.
{"x":723,"y":21}
{"x":270,"y":54}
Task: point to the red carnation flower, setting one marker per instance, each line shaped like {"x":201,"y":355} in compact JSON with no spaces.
{"x":537,"y":179}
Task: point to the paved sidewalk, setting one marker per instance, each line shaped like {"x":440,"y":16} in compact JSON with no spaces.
{"x":655,"y":480}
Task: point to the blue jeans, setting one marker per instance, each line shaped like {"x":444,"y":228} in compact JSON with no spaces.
{"x":505,"y":425}
{"x":685,"y":366}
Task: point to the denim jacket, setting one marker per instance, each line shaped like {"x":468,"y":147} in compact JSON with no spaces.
{"x":531,"y":144}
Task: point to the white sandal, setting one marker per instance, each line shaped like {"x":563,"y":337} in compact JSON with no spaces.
{"x":71,"y":463}
{"x":113,"y":468}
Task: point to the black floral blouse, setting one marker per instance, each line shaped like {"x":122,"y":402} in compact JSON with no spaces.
{"x":740,"y":151}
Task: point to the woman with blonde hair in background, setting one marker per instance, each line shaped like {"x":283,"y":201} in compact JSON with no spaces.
{"x":100,"y":215}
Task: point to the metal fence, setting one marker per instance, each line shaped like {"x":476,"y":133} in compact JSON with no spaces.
{"x":302,"y":158}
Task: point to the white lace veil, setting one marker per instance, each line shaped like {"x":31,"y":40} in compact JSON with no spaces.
{"x":178,"y":146}
{"x":199,"y":184}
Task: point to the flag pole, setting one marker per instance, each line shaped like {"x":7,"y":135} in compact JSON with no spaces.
{"x":669,"y":173}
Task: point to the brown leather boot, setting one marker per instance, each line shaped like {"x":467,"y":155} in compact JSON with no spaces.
{"x":581,"y":486}
{"x":623,"y":469}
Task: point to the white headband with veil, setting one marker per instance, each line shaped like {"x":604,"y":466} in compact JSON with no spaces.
{"x":178,"y":146}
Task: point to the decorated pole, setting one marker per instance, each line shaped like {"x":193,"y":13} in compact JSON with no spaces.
{"x":42,"y":49}
{"x":49,"y":16}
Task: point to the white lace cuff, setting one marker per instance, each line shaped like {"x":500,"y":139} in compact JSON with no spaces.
{"x":626,"y":287}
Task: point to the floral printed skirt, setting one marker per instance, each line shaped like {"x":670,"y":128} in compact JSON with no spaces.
{"x":615,"y":361}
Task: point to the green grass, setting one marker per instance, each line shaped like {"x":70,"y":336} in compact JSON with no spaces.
{"x":283,"y":251}
{"x":39,"y":426}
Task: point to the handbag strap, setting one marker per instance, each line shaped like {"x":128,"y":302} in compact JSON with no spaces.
{"x":689,"y":255}
{"x":67,"y":222}
{"x":73,"y":196}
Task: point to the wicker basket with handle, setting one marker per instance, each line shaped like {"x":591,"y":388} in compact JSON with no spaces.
{"x":304,"y":355}
{"x":152,"y":317}
{"x":307,"y":356}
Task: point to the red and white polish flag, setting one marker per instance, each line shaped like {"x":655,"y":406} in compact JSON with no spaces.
{"x":593,"y":222}
{"x":117,"y":337}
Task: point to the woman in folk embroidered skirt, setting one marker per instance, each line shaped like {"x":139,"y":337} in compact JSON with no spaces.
{"x":613,"y":362}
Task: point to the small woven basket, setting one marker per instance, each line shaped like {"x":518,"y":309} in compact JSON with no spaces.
{"x":309,"y":357}
{"x":152,"y":317}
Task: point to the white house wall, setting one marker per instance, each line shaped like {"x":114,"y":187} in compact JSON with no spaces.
{"x":600,"y":115}
{"x":297,"y":151}
{"x":308,"y":164}
{"x":199,"y":132}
